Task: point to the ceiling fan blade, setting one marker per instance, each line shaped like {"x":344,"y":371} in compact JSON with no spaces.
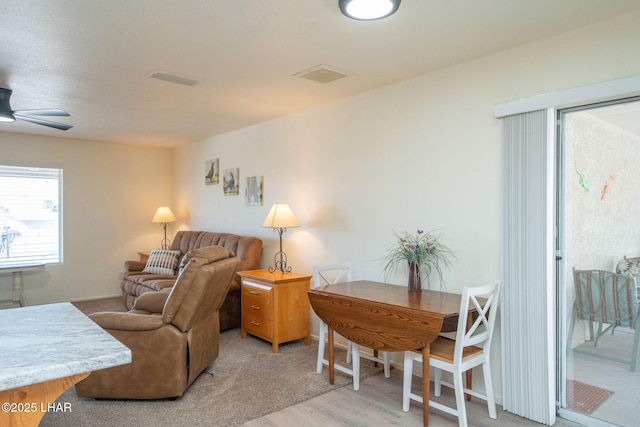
{"x":46,"y":112}
{"x":55,"y":125}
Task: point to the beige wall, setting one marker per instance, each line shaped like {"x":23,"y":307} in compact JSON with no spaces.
{"x":110,"y":192}
{"x":421,"y":153}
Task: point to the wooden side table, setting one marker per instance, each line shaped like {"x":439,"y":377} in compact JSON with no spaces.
{"x":144,"y":256}
{"x":275,"y":306}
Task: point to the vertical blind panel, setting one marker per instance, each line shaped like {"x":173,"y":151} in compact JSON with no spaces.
{"x":525,"y":351}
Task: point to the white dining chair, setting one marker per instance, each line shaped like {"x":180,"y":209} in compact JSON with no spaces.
{"x":329,"y":275}
{"x":471,"y":348}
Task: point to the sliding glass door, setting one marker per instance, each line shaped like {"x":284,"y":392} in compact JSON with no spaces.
{"x":598,"y":223}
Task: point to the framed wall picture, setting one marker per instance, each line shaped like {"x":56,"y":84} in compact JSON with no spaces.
{"x":253,"y":191}
{"x":212,"y":172}
{"x":231,"y":181}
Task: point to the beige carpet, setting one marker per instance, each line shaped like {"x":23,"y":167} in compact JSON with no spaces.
{"x":247,"y":381}
{"x":585,"y":398}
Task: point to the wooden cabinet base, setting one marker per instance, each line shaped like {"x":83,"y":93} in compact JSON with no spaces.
{"x":25,"y":406}
{"x":275,"y":306}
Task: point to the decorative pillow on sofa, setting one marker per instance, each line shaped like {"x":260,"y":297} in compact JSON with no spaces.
{"x":162,"y":262}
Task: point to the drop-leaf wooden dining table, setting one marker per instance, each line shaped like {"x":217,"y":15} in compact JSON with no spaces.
{"x":386,"y":317}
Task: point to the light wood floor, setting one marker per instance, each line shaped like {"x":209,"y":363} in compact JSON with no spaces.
{"x":379,"y":403}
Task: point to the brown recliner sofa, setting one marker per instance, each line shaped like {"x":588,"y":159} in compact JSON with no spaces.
{"x":247,"y":249}
{"x":173,"y":334}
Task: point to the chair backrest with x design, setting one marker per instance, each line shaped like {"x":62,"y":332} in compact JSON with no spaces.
{"x":331,"y":274}
{"x":484,"y":299}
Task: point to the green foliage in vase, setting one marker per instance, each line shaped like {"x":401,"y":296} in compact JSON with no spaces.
{"x":423,"y":249}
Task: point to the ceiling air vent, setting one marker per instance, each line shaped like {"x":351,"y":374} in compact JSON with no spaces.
{"x":321,"y":74}
{"x":173,"y":78}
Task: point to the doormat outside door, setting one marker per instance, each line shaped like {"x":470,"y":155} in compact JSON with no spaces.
{"x":585,"y":398}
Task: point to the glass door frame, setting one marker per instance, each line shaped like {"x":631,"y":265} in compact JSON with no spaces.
{"x":562,"y":310}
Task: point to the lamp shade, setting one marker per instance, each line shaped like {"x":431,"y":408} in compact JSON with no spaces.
{"x":164,"y":215}
{"x":280,"y":216}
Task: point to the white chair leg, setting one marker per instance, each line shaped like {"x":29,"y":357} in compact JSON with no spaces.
{"x":437,"y":385}
{"x":406,"y":381}
{"x":349,"y":350}
{"x":488,"y":385}
{"x":458,"y":384}
{"x":321,"y":339}
{"x":387,"y":364}
{"x":356,"y":366}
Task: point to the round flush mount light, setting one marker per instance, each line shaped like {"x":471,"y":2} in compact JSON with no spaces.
{"x":368,"y":10}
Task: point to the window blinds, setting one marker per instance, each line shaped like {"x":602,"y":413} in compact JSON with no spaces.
{"x":528,"y":351}
{"x":30,"y":215}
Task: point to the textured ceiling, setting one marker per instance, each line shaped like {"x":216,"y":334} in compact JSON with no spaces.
{"x":92,"y":57}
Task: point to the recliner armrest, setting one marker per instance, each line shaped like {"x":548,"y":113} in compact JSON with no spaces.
{"x":127,"y":321}
{"x":134,"y":266}
{"x":152,"y":302}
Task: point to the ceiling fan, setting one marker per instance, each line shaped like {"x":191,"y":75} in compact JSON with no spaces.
{"x":9,"y":115}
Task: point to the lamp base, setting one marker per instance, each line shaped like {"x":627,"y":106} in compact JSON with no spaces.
{"x":165,"y":244}
{"x":280,"y":264}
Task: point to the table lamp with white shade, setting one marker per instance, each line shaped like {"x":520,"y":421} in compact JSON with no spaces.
{"x":164,"y":217}
{"x":280,"y":218}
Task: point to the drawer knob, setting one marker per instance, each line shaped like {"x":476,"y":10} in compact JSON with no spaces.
{"x":254,"y":292}
{"x":254,"y":323}
{"x":255,"y":307}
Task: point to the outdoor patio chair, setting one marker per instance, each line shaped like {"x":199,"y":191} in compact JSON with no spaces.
{"x":606,"y":298}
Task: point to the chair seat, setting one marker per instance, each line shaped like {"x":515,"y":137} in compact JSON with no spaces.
{"x":443,"y":348}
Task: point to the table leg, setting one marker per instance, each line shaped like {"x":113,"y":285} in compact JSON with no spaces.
{"x":331,"y":373}
{"x":426,"y":353}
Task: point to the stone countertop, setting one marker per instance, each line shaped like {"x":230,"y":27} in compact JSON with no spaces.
{"x":47,"y":342}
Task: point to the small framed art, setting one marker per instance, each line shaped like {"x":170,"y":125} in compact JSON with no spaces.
{"x":253,"y":191}
{"x":212,"y":172}
{"x":231,"y":181}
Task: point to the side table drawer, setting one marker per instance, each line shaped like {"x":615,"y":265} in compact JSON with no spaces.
{"x":257,"y":325}
{"x":257,"y":299}
{"x":258,"y":290}
{"x":257,"y":306}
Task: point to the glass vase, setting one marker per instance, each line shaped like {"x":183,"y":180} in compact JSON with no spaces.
{"x":415,"y":283}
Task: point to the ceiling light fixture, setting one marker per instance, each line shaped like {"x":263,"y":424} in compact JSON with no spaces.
{"x":368,"y":10}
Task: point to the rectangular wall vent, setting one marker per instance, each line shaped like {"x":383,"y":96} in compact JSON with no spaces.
{"x":173,"y":78}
